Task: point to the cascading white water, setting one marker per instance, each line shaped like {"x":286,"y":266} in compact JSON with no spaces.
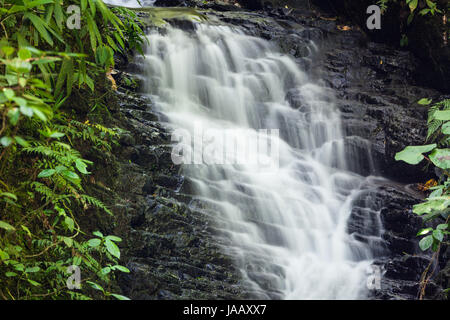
{"x":286,"y":226}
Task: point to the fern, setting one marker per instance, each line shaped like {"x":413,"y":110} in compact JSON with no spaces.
{"x":434,"y":124}
{"x":94,"y":202}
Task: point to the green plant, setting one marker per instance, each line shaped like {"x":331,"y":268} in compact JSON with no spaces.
{"x":43,"y":173}
{"x":436,"y":206}
{"x":420,"y":7}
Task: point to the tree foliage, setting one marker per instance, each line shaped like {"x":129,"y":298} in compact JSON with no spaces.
{"x":42,"y":168}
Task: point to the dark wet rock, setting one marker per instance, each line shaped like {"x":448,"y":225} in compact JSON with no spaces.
{"x":423,"y":32}
{"x":167,"y":247}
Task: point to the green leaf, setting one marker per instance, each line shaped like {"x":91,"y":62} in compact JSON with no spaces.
{"x":443,"y":115}
{"x":66,"y":68}
{"x":95,"y":286}
{"x":9,"y":195}
{"x":434,"y":204}
{"x":94,"y":242}
{"x":56,"y":135}
{"x":6,"y":141}
{"x":21,"y":141}
{"x":10,"y":274}
{"x":8,"y":50}
{"x":81,"y":166}
{"x":442,"y":226}
{"x":69,"y":223}
{"x":105,"y":270}
{"x":413,"y":154}
{"x":98,"y":234}
{"x":445,"y":129}
{"x":26,"y":111}
{"x":68,"y":241}
{"x":413,"y":5}
{"x":119,"y":297}
{"x":13,"y":115}
{"x":113,"y":238}
{"x":423,"y":232}
{"x":70,"y":175}
{"x":441,"y":158}
{"x":6,"y":226}
{"x":438,"y":235}
{"x":112,"y":248}
{"x":121,"y":268}
{"x":32,"y":269}
{"x":24,"y":54}
{"x":424,"y":101}
{"x":9,"y":93}
{"x":46,"y":173}
{"x":39,"y":24}
{"x":426,"y":243}
{"x":34,"y":283}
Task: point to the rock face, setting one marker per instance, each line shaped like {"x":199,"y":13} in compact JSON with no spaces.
{"x":173,"y":251}
{"x":169,"y":249}
{"x":423,"y":32}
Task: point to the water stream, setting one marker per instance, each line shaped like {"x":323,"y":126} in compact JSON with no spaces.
{"x":285,"y":218}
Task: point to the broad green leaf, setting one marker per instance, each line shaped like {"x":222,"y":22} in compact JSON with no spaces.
{"x":443,"y":115}
{"x":21,"y":141}
{"x":46,"y":173}
{"x":438,"y":235}
{"x":121,"y":268}
{"x":445,"y":129}
{"x":424,"y":101}
{"x":95,"y":286}
{"x":81,"y":166}
{"x":13,"y":115}
{"x":56,"y":135}
{"x":441,"y":158}
{"x":26,"y":111}
{"x":6,"y":141}
{"x":112,"y":248}
{"x":119,"y":297}
{"x":32,"y":269}
{"x":434,"y":204}
{"x":70,"y":175}
{"x":442,"y":226}
{"x":94,"y":242}
{"x":113,"y":238}
{"x":413,"y":5}
{"x":9,"y":195}
{"x":10,"y":274}
{"x":69,"y":223}
{"x":426,"y":243}
{"x":68,"y":241}
{"x":8,"y":50}
{"x":414,"y":154}
{"x":423,"y":232}
{"x":98,"y":234}
{"x":9,"y":93}
{"x":105,"y":270}
{"x":24,"y":54}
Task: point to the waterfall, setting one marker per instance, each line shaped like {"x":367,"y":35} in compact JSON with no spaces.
{"x":284,"y":219}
